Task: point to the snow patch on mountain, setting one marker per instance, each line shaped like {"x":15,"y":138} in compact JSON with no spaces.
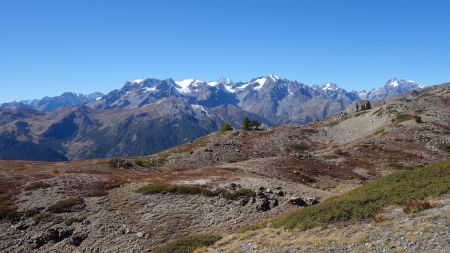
{"x":260,"y":82}
{"x":329,"y":86}
{"x":138,"y":81}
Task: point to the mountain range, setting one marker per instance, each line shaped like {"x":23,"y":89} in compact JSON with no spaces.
{"x":148,"y":115}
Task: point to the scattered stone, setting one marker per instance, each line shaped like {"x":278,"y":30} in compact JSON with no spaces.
{"x":121,"y":163}
{"x":297,"y":201}
{"x":264,"y":206}
{"x":312,"y":201}
{"x":38,"y":242}
{"x":76,"y":239}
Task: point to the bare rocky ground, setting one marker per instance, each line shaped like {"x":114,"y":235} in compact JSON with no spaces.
{"x":315,"y":161}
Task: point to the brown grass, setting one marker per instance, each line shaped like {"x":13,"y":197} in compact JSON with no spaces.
{"x":415,"y":206}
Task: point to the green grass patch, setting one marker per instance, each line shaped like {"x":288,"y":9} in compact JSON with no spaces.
{"x":65,"y":205}
{"x":363,"y":203}
{"x":189,"y":244}
{"x":423,"y":95}
{"x":40,"y":217}
{"x":241,"y":193}
{"x":176,"y":189}
{"x":400,"y":117}
{"x":300,"y":147}
{"x":195,"y":190}
{"x":379,"y":131}
{"x":378,"y":112}
{"x":361,"y":113}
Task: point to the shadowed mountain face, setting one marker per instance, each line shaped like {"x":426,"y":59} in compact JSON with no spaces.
{"x":80,"y":132}
{"x":149,"y":115}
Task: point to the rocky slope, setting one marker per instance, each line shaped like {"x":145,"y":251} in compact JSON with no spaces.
{"x":225,"y":181}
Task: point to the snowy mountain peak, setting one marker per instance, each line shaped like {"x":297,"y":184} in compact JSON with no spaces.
{"x":273,"y":77}
{"x":186,"y":84}
{"x":394,"y":82}
{"x":260,"y":83}
{"x":329,"y":86}
{"x":138,"y":81}
{"x":224,"y":80}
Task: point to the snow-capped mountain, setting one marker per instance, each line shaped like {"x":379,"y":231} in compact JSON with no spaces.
{"x":392,"y":87}
{"x":147,"y":115}
{"x":274,"y":98}
{"x":52,"y":103}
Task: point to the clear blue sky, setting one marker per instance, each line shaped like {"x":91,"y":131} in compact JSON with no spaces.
{"x":48,"y":47}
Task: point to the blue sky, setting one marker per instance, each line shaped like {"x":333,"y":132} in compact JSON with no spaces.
{"x":48,"y":47}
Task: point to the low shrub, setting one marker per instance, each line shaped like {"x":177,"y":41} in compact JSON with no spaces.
{"x":37,"y":185}
{"x":177,"y":189}
{"x":66,"y":205}
{"x":55,"y":170}
{"x":7,"y":208}
{"x":379,"y":217}
{"x":195,"y":190}
{"x":225,"y":127}
{"x":300,"y":147}
{"x":40,"y":217}
{"x":189,"y":244}
{"x":140,"y":162}
{"x":418,"y":119}
{"x":400,"y":117}
{"x":7,"y":212}
{"x":415,"y":206}
{"x":240,"y":193}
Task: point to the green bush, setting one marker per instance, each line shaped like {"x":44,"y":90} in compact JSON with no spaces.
{"x":225,"y":127}
{"x":248,"y":124}
{"x":189,"y":244}
{"x":140,"y":162}
{"x":364,"y":202}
